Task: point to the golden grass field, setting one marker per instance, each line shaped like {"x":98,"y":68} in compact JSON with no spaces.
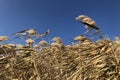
{"x":85,"y":60}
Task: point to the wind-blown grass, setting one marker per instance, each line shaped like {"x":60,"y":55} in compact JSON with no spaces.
{"x":86,"y":60}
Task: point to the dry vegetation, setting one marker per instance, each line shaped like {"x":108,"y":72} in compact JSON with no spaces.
{"x":85,"y":60}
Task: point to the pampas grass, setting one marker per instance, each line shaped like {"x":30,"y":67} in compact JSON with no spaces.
{"x":87,"y":60}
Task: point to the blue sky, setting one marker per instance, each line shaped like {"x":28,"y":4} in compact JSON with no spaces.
{"x":59,"y":16}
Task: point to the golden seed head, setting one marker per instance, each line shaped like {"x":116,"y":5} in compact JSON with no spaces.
{"x":3,"y":38}
{"x":35,"y":46}
{"x":57,"y":39}
{"x":43,"y":43}
{"x":86,"y":19}
{"x":80,"y":38}
{"x":80,"y":17}
{"x":32,"y":32}
{"x":19,"y":46}
{"x":57,"y":45}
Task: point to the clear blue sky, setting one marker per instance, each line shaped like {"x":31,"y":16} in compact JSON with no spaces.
{"x":59,"y":16}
